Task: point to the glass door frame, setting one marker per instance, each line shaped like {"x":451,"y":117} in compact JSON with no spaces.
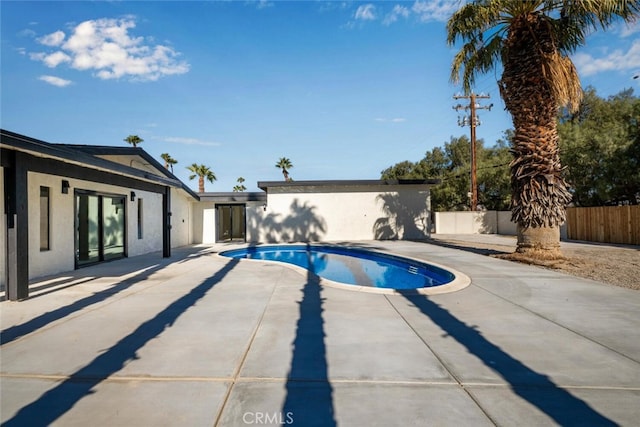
{"x":219,"y":218}
{"x":101,"y":226}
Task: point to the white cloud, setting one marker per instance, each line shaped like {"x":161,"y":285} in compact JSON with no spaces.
{"x":105,"y":46}
{"x":263,"y":4}
{"x":394,"y":120}
{"x":421,"y":10}
{"x":191,"y":141}
{"x":366,"y":12}
{"x":56,"y":81}
{"x":627,"y":29}
{"x":51,"y":60}
{"x":53,"y":39}
{"x":27,"y":32}
{"x":397,"y":12}
{"x":618,"y":60}
{"x":435,"y":10}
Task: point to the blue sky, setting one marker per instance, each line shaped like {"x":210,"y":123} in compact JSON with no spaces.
{"x":343,"y":89}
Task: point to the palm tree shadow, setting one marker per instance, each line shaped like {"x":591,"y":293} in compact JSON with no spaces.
{"x":14,"y":332}
{"x":534,"y":387}
{"x":406,"y":217}
{"x":56,"y":402}
{"x":309,"y":392}
{"x":475,"y":250}
{"x":302,"y":224}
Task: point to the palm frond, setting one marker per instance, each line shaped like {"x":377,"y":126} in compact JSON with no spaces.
{"x":474,"y":59}
{"x":562,"y":77}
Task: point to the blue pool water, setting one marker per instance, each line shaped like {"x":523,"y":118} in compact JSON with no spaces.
{"x":351,"y":266}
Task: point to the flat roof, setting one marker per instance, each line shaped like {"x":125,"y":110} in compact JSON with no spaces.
{"x":235,"y":196}
{"x":264,"y":185}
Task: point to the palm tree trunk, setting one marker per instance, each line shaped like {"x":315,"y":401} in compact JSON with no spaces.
{"x":201,"y":184}
{"x":539,"y":192}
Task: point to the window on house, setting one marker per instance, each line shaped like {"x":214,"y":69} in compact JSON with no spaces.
{"x":140,"y":218}
{"x":44,"y":219}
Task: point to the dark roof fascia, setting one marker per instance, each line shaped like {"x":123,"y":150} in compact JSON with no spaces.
{"x":66,"y":152}
{"x":97,"y":150}
{"x":264,"y":185}
{"x":237,"y":196}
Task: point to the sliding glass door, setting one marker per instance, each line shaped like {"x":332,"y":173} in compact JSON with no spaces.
{"x":100,"y":227}
{"x":231,"y":222}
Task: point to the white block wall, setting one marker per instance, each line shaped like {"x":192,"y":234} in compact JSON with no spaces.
{"x":327,"y":213}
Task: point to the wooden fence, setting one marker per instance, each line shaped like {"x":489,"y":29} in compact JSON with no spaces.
{"x":605,"y":224}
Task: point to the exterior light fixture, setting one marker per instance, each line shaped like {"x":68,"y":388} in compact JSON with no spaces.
{"x":264,"y":207}
{"x":133,"y":196}
{"x":65,"y":186}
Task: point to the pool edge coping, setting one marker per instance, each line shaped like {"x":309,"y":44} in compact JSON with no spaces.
{"x":459,"y":282}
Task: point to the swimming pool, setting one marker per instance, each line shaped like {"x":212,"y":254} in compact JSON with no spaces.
{"x":352,"y":266}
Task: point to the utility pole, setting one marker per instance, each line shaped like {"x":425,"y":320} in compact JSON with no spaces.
{"x":472,"y":121}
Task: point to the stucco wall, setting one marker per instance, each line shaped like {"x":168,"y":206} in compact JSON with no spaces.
{"x":151,"y":240}
{"x":482,"y":222}
{"x":345,"y":213}
{"x":3,"y":237}
{"x":60,"y":256}
{"x":180,"y":218}
{"x":466,"y":222}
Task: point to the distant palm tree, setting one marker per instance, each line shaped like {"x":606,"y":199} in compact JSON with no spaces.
{"x":168,"y":161}
{"x":285,"y":164}
{"x":532,"y":40}
{"x":240,"y":187}
{"x":133,"y":140}
{"x":202,"y":172}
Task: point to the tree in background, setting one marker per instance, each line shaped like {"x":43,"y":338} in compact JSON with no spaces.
{"x":240,"y":186}
{"x":532,"y":40}
{"x":600,"y":143}
{"x":168,"y":161}
{"x":202,"y":172}
{"x":285,"y":164}
{"x":134,"y":140}
{"x":452,"y":165}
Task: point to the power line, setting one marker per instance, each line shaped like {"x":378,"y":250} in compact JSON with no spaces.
{"x":472,"y":121}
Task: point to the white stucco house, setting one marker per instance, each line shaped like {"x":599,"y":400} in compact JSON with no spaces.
{"x":68,"y":206}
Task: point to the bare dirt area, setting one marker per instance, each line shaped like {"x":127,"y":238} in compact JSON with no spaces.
{"x":614,"y":265}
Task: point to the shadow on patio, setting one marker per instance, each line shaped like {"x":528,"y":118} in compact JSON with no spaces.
{"x":309,"y":392}
{"x":56,"y":402}
{"x":534,"y":387}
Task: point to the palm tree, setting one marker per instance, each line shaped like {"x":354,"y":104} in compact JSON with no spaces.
{"x":285,"y":164}
{"x":133,"y":140}
{"x":532,"y":40}
{"x":202,"y":172}
{"x":168,"y":161}
{"x":240,"y":186}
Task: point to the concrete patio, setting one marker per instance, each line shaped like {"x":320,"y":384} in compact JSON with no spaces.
{"x":200,"y":340}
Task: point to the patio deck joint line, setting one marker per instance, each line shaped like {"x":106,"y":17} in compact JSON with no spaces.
{"x":559,"y":324}
{"x":112,"y":378}
{"x":444,"y":365}
{"x":112,"y":299}
{"x":236,"y":374}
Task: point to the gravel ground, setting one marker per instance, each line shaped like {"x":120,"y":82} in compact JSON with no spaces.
{"x":616,"y":265}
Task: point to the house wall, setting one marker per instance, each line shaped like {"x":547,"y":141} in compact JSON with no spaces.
{"x":346,"y":213}
{"x":202,"y":219}
{"x":61,"y":257}
{"x":151,"y":240}
{"x":180,"y":218}
{"x":3,"y":237}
